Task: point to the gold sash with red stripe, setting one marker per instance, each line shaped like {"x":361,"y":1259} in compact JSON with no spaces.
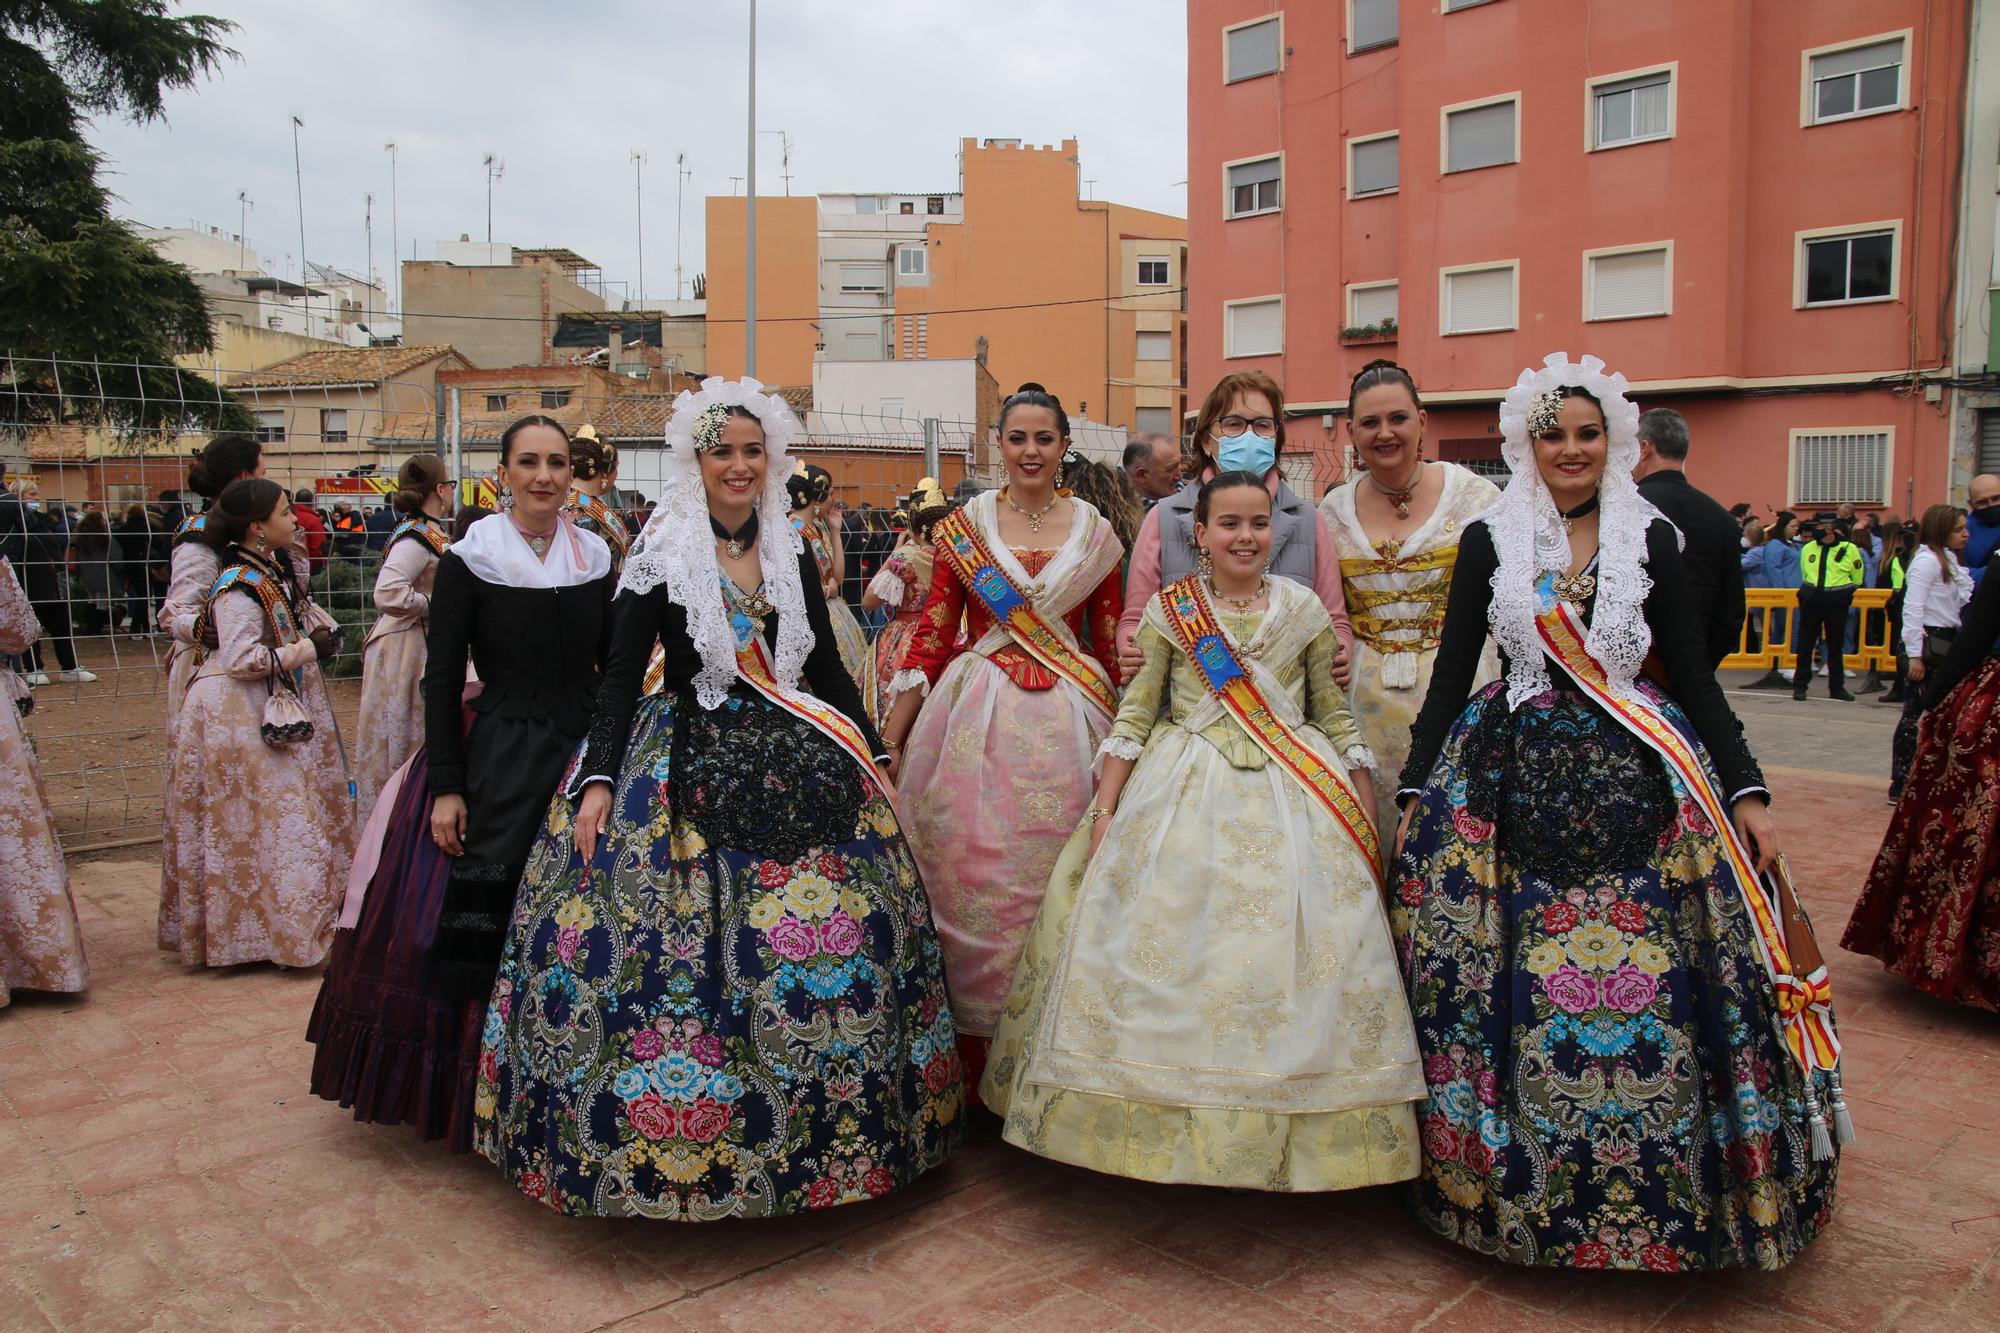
{"x":1202,"y":639}
{"x":1805,"y":1004}
{"x":958,"y":544}
{"x":753,"y":663}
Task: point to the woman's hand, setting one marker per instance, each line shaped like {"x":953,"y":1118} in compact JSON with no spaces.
{"x":1915,"y":670}
{"x":1343,"y":667}
{"x":325,"y":642}
{"x":591,"y":814}
{"x":1403,"y":824}
{"x":1130,"y":659}
{"x":448,"y":823}
{"x":1758,"y":830}
{"x":1098,"y":828}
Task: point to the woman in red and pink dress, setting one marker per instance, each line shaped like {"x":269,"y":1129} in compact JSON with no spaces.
{"x":903,"y":584}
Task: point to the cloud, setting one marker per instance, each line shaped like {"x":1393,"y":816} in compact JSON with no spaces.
{"x":873,"y":96}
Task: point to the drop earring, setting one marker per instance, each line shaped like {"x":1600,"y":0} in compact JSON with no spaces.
{"x":506,"y":500}
{"x":1204,"y":562}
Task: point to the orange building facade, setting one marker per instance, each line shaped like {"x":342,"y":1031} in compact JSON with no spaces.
{"x":1748,"y":208}
{"x":1083,"y":296}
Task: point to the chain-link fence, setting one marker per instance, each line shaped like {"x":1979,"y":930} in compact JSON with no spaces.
{"x":92,"y":507}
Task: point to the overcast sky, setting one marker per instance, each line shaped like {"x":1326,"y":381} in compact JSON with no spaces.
{"x":875,"y":96}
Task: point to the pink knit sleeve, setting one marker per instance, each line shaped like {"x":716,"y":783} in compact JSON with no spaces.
{"x":1326,"y":582}
{"x":1142,"y":578}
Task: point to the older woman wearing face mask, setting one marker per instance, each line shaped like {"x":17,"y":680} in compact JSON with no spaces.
{"x":1241,"y":428}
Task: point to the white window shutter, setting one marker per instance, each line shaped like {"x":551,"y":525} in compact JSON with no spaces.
{"x":1479,"y":299}
{"x":1482,"y":136}
{"x":1252,"y":50}
{"x":1373,"y":305}
{"x":1628,"y":285}
{"x":1376,"y":165}
{"x":1256,"y":328}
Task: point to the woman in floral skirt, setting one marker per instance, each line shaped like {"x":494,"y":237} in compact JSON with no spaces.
{"x":1594,"y":955}
{"x":722,"y":995}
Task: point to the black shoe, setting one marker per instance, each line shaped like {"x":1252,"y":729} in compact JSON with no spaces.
{"x":1891,"y":697}
{"x":1843,"y":696}
{"x":1800,"y":695}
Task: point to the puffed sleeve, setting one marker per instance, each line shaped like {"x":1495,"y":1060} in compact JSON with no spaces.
{"x":396,"y":591}
{"x":239,"y":636}
{"x":1101,"y":615}
{"x":935,"y":643}
{"x":448,"y":641}
{"x":1139,"y":707}
{"x":192,"y":574}
{"x":1460,"y":644}
{"x":18,"y":626}
{"x":1326,"y":703}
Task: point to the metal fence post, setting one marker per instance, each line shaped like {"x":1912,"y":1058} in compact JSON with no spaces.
{"x":930,"y":446}
{"x":456,"y":428}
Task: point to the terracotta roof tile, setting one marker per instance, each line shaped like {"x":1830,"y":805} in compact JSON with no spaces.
{"x":345,"y":365}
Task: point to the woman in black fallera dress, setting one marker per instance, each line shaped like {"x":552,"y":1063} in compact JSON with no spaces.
{"x":524,"y":595}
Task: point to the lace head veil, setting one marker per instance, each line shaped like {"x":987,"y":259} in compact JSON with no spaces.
{"x":1529,"y":539}
{"x":677,"y":545}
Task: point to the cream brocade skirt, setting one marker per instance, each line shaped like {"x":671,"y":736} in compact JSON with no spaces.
{"x":1214,"y":1000}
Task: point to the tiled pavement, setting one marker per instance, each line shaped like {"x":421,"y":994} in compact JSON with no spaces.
{"x":162,"y":1167}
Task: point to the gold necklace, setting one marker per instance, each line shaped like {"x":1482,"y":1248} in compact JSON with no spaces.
{"x":1400,"y":496}
{"x":1035,"y":518}
{"x":1242,"y":604}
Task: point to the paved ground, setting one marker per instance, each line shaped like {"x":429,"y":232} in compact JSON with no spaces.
{"x":163,"y":1168}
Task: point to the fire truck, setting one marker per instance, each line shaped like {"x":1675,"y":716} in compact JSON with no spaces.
{"x":370,"y":492}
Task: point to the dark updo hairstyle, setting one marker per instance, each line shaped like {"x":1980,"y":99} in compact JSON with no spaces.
{"x":466,"y":517}
{"x":928,"y":507}
{"x":221,"y":461}
{"x":1374,"y":375}
{"x":507,"y":438}
{"x":591,"y":458}
{"x":251,"y":500}
{"x":415,"y":480}
{"x":1225,"y":481}
{"x":808,"y":483}
{"x":1032,"y":394}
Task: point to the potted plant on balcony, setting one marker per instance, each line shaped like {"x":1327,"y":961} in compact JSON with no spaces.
{"x":1360,"y":335}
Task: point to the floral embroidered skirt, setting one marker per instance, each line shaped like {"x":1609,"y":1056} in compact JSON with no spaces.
{"x":1931,"y":908}
{"x":1608,"y":1088}
{"x":885,"y":655}
{"x":737,"y":1007}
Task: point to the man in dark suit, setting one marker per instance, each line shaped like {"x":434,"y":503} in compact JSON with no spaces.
{"x":1713,"y":547}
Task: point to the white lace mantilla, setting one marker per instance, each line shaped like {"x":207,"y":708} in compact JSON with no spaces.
{"x":677,"y":546}
{"x":1528,"y":535}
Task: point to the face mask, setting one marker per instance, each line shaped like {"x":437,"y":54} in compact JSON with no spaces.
{"x":1988,"y":517}
{"x":1248,"y":452}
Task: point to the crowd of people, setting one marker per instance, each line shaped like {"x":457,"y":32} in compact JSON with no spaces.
{"x":1185,"y":829}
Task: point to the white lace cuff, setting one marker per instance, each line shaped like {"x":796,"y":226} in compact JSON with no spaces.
{"x":1117,"y":747}
{"x":888,"y":587}
{"x":909,"y":678}
{"x":1360,"y":756}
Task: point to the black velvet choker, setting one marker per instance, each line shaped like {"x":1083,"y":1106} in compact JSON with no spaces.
{"x":739,"y":540}
{"x":1587,"y":507}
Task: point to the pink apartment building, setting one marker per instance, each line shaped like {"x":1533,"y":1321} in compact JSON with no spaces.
{"x":1751,"y":208}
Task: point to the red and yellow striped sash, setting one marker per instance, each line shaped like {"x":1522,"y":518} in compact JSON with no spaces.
{"x":1805,"y":1004}
{"x":1202,"y":639}
{"x":959,"y":545}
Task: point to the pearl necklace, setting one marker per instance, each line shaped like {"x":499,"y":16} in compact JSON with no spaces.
{"x":1034,"y":518}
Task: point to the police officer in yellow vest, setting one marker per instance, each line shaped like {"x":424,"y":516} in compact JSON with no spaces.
{"x":1830,"y":569}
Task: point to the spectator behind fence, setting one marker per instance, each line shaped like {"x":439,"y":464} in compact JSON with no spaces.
{"x":380,"y":522}
{"x":312,"y":529}
{"x":1713,"y":541}
{"x":1153,"y":465}
{"x":37,"y":550}
{"x":138,"y":548}
{"x":95,"y":559}
{"x":350,"y":535}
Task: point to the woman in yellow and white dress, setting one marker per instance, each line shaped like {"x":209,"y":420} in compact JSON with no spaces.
{"x":1209,"y":994}
{"x":1397,"y":526}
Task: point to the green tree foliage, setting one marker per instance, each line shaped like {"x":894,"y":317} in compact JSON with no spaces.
{"x":90,"y":315}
